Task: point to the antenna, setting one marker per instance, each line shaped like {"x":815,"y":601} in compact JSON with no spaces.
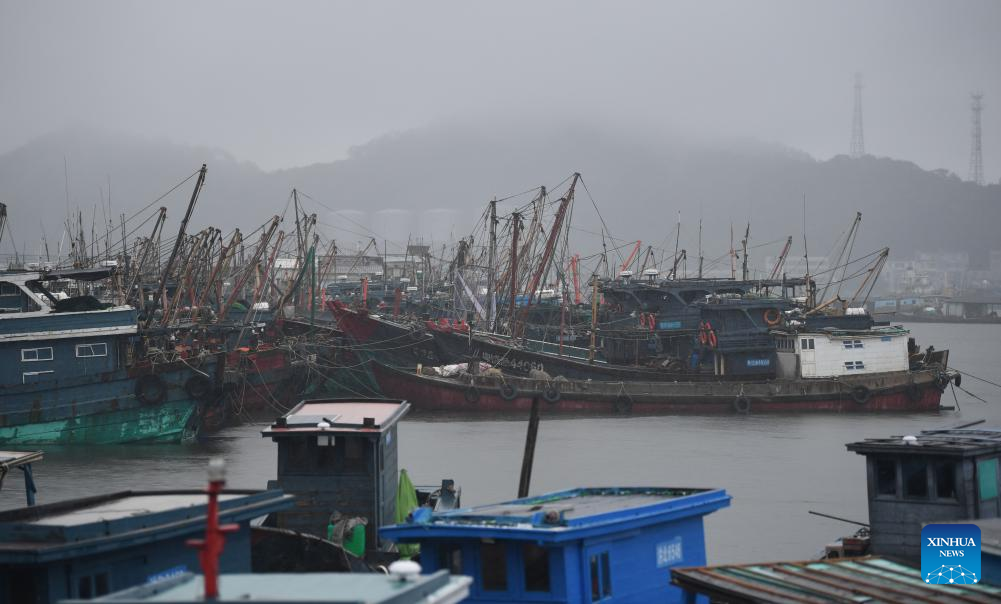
{"x":858,"y":140}
{"x":976,"y":151}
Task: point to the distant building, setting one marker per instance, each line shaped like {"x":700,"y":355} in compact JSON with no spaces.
{"x":973,"y":306}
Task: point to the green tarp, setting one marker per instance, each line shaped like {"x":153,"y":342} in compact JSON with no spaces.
{"x":406,"y":502}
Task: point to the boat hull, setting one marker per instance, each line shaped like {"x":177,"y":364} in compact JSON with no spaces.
{"x":102,"y":409}
{"x":903,"y":392}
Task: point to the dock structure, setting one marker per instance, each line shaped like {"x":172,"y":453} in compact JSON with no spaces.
{"x":866,"y":579}
{"x":609,"y":544}
{"x":933,"y":476}
{"x":84,"y":548}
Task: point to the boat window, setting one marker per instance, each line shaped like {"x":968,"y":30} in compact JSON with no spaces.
{"x":450,"y":558}
{"x":101,"y":584}
{"x":36,"y":354}
{"x":97,"y":349}
{"x":354,"y":453}
{"x":601,"y":579}
{"x":851,"y":344}
{"x":987,"y":478}
{"x":30,"y":377}
{"x":84,"y":588}
{"x":806,"y":344}
{"x":886,"y":477}
{"x":8,"y":289}
{"x":915,"y":478}
{"x":945,"y":480}
{"x":536,"y":564}
{"x":493,"y":566}
{"x":854,"y":365}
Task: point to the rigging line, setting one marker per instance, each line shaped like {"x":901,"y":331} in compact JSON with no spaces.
{"x":151,"y":204}
{"x":966,"y":373}
{"x":356,"y":223}
{"x":600,"y":217}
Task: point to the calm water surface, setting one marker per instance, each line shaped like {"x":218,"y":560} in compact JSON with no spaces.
{"x":776,"y":467}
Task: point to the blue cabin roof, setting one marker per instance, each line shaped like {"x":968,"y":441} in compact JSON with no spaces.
{"x":565,"y":515}
{"x":331,"y":588}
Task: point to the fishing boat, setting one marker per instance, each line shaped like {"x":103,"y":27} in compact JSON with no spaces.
{"x":74,"y":370}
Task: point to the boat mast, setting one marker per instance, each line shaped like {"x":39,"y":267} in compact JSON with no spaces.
{"x":491,"y":269}
{"x":743,"y":243}
{"x":700,"y":248}
{"x":810,"y":297}
{"x":161,"y":290}
{"x":782,"y":260}
{"x":733,"y":254}
{"x":547,"y":254}
{"x":594,"y":317}
{"x":515,"y":227}
{"x":677,"y":241}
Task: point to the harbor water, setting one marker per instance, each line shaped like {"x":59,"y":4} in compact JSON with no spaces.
{"x":777,"y":467}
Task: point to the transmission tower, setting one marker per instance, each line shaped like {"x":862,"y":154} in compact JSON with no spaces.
{"x":858,"y":140}
{"x":976,"y":152}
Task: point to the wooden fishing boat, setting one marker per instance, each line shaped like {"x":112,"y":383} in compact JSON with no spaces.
{"x":903,"y":391}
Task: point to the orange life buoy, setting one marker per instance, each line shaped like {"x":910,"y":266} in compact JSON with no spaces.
{"x":771,"y":317}
{"x":703,"y":336}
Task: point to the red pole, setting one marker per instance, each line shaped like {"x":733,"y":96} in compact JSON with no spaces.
{"x":210,"y":548}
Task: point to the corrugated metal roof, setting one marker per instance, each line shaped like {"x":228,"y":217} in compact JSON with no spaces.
{"x":869,"y":579}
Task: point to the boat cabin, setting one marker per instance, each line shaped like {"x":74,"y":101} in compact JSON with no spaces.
{"x":832,"y":352}
{"x":338,"y":456}
{"x":45,"y":339}
{"x":89,"y":547}
{"x":933,"y":476}
{"x":582,"y":545}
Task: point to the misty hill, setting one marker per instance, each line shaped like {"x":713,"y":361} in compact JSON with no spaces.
{"x":435,"y":181}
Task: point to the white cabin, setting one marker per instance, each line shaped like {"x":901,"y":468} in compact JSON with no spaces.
{"x":823,"y":354}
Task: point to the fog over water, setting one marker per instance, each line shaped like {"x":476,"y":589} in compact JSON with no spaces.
{"x":777,"y":467}
{"x":293,"y":83}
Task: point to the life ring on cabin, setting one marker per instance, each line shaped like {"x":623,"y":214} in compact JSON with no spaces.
{"x":742,"y":404}
{"x":472,"y":394}
{"x":150,"y":389}
{"x":772,"y":317}
{"x":508,"y":392}
{"x":551,"y":394}
{"x":198,"y":387}
{"x":861,"y":394}
{"x":623,"y":403}
{"x":913,"y":392}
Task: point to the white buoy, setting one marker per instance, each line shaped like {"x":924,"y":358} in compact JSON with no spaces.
{"x":910,"y":440}
{"x":404,"y":570}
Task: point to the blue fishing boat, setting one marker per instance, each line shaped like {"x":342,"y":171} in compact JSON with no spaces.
{"x":74,"y":370}
{"x":89,"y":547}
{"x":612,"y":544}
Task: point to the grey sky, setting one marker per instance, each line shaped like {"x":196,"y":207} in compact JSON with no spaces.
{"x":291,"y":83}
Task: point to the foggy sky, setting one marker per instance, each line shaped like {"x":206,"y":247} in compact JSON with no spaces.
{"x":293,"y":83}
